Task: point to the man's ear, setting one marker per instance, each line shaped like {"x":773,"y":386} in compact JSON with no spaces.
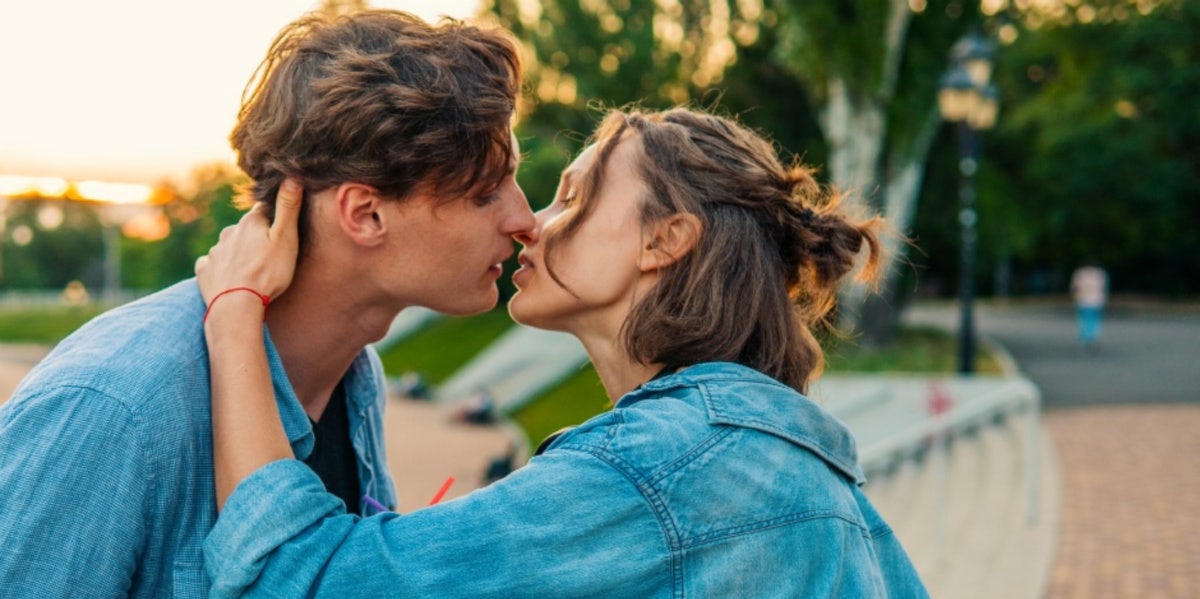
{"x":669,"y":240}
{"x":359,"y":214}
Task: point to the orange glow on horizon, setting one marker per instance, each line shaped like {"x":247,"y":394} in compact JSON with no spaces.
{"x":19,"y":187}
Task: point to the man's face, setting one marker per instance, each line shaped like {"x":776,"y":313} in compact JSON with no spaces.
{"x":449,"y":253}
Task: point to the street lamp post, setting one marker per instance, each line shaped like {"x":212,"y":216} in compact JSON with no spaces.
{"x":967,"y":99}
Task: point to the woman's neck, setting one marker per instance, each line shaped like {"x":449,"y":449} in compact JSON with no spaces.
{"x":619,"y":372}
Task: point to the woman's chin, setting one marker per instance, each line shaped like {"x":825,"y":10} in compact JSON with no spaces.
{"x":523,"y":311}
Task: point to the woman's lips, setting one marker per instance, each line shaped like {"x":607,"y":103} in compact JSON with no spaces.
{"x":524,"y":272}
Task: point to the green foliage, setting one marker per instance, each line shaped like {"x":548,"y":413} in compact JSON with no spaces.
{"x":439,"y":349}
{"x":917,"y":350}
{"x":821,"y":40}
{"x":53,"y":257}
{"x":196,"y":220}
{"x":1098,"y":153}
{"x":43,"y":325}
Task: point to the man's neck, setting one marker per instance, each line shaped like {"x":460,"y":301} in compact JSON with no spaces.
{"x":319,"y":326}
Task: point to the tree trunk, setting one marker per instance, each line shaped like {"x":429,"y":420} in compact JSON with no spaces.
{"x":873,"y":312}
{"x":854,"y":130}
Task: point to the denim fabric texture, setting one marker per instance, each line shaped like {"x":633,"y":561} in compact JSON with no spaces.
{"x":716,"y":481}
{"x":106,"y":483}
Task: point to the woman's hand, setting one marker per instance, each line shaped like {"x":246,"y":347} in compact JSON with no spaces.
{"x":256,"y":253}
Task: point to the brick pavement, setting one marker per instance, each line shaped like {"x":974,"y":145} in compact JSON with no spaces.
{"x":1130,"y":502}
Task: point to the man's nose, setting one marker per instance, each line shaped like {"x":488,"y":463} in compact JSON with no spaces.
{"x":529,"y":235}
{"x":521,"y":219}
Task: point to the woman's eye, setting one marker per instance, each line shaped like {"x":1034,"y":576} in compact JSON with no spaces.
{"x":568,"y":199}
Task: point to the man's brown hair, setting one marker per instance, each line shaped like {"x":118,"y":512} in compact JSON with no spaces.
{"x":383,"y":98}
{"x":773,"y":247}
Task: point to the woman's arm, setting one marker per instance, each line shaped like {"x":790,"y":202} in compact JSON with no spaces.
{"x":569,"y":524}
{"x":254,"y":254}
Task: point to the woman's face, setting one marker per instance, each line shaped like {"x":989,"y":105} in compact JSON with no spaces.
{"x":598,"y":264}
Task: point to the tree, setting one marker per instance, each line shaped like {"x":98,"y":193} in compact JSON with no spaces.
{"x":1103,"y":130}
{"x":871,"y":68}
{"x":870,"y":79}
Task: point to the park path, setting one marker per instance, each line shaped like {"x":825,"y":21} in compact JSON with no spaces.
{"x":1125,"y":422}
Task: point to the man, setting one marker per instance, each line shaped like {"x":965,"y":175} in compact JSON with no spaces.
{"x":400,"y":134}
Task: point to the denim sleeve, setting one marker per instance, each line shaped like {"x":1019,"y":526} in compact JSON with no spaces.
{"x":562,"y":526}
{"x":73,"y":485}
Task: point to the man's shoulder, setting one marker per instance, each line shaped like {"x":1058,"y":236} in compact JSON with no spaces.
{"x":132,"y":352}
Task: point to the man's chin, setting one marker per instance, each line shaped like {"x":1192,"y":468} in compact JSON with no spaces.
{"x":470,"y":306}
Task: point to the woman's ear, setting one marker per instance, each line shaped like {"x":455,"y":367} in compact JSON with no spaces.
{"x":359,"y":213}
{"x":669,"y":240}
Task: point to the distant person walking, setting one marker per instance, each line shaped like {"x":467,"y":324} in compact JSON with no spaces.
{"x":1089,"y":287}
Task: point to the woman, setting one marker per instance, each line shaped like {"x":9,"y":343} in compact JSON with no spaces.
{"x":691,"y":264}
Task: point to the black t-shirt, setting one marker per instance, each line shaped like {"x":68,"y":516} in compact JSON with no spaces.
{"x":333,"y":457}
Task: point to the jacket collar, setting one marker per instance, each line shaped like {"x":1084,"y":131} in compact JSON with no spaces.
{"x":735,"y":395}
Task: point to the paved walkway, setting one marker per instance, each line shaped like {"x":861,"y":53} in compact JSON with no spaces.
{"x":1125,"y":422}
{"x":1130,"y":502}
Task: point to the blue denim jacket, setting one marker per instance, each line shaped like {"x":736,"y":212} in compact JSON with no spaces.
{"x":106,"y":484}
{"x":716,"y":481}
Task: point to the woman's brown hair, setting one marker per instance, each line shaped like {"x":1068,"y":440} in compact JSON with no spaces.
{"x":380,"y":97}
{"x":773,"y":247}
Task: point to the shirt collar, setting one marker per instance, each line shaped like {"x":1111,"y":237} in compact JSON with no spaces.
{"x":361,"y":393}
{"x":296,"y":424}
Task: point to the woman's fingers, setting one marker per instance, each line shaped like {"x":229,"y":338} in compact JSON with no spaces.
{"x":256,"y":253}
{"x":287,"y":210}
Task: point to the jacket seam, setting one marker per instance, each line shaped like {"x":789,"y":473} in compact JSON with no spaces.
{"x":691,"y":455}
{"x":652,"y":498}
{"x":780,"y":521}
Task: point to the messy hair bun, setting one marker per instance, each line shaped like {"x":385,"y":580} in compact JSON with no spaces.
{"x":819,"y":244}
{"x":774,"y":246}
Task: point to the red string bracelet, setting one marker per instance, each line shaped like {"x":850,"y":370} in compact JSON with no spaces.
{"x":266,"y":300}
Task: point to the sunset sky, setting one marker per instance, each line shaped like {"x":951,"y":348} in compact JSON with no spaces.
{"x":136,"y":90}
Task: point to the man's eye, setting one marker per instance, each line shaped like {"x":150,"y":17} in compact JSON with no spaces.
{"x":488,"y":199}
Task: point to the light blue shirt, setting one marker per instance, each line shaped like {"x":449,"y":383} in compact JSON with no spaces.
{"x":106,"y":482}
{"x":716,"y":481}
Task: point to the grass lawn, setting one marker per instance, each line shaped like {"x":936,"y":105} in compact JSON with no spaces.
{"x":578,"y":398}
{"x":43,"y":325}
{"x":440,"y":348}
{"x":919,"y":350}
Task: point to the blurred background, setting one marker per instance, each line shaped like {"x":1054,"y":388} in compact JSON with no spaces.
{"x":1008,"y":143}
{"x":1095,"y":153}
